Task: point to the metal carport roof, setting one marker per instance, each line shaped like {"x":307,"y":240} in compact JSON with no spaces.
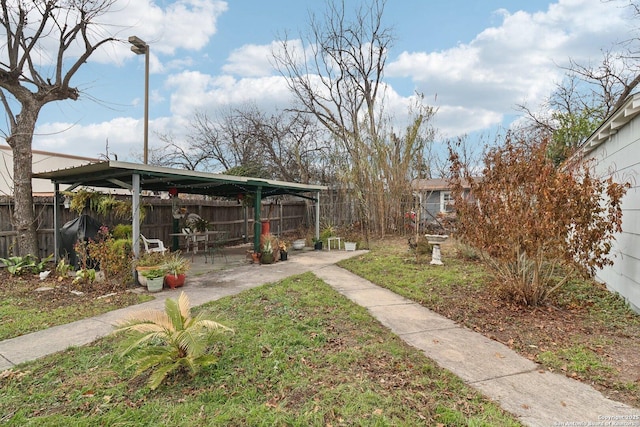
{"x":138,"y":177}
{"x":114,"y":174}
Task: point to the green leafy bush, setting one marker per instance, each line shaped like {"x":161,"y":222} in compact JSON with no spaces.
{"x":112,"y":255}
{"x":17,"y":265}
{"x":85,"y":275}
{"x":62,"y":269}
{"x":122,"y":231}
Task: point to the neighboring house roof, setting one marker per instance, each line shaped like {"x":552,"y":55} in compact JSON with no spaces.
{"x":42,"y":161}
{"x":436,"y":184}
{"x":616,"y":120}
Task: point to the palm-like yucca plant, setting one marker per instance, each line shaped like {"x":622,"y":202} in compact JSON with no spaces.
{"x":170,"y":340}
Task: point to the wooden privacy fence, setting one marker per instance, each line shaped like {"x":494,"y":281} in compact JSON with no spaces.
{"x":235,"y":219}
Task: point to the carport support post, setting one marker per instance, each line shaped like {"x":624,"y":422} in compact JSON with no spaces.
{"x":135,"y":209}
{"x":257,"y":225}
{"x":245,"y":229}
{"x":318,"y":215}
{"x":56,"y":221}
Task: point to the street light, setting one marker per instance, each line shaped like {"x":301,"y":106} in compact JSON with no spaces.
{"x":141,"y":48}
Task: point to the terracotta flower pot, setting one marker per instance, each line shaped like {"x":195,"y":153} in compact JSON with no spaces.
{"x":266,"y":226}
{"x":174,"y":281}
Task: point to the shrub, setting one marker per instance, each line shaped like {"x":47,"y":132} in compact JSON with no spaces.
{"x":122,"y":231}
{"x":85,"y":276}
{"x":169,"y":341}
{"x":537,"y":224}
{"x":112,"y":255}
{"x":63,"y":269}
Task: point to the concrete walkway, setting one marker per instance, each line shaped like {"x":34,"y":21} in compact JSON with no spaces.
{"x":537,"y":397}
{"x":518,"y":385}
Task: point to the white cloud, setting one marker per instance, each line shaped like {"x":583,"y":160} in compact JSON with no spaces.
{"x":513,"y":63}
{"x":476,"y":83}
{"x":251,"y":60}
{"x":183,"y":24}
{"x":193,"y":91}
{"x":121,"y":134}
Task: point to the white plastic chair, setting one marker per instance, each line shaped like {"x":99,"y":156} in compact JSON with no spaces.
{"x":153,"y":245}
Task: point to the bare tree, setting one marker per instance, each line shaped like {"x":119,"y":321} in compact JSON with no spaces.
{"x":588,"y":94}
{"x":341,"y":83}
{"x":287,"y":142}
{"x":337,"y":77}
{"x":46,"y":44}
{"x":574,"y":110}
{"x":202,"y":149}
{"x":245,"y":140}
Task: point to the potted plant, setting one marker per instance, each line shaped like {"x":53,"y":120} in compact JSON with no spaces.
{"x":201,"y":225}
{"x":196,"y":223}
{"x":148,"y":261}
{"x":155,"y":278}
{"x":282,"y":245}
{"x":176,"y":267}
{"x":267,"y":252}
{"x":266,"y":222}
{"x":317,"y":244}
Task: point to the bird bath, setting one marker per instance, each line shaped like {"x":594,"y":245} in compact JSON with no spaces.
{"x":435,"y":240}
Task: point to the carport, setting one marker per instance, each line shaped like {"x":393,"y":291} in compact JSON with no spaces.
{"x":138,"y":177}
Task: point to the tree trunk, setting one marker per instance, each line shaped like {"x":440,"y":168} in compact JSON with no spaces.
{"x":23,"y":214}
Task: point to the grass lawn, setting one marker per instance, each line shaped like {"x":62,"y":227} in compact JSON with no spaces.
{"x":583,"y":331}
{"x":28,"y":304}
{"x":301,"y":354}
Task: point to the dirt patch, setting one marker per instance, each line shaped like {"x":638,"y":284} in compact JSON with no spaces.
{"x":53,"y":293}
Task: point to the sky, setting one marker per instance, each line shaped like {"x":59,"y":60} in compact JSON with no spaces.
{"x":474,"y":60}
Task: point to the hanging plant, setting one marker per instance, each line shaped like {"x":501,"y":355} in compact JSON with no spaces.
{"x":82,"y":199}
{"x":103,"y":204}
{"x":246,"y":199}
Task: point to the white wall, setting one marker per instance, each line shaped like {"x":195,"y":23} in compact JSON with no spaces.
{"x":619,"y":157}
{"x":43,"y":161}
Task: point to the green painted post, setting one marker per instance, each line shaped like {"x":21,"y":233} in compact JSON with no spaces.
{"x":257,"y":225}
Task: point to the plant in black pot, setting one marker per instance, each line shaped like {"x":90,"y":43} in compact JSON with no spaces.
{"x":283,"y":250}
{"x":317,"y":244}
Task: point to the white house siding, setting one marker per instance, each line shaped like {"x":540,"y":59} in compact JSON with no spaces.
{"x":43,"y":161}
{"x":619,"y":156}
